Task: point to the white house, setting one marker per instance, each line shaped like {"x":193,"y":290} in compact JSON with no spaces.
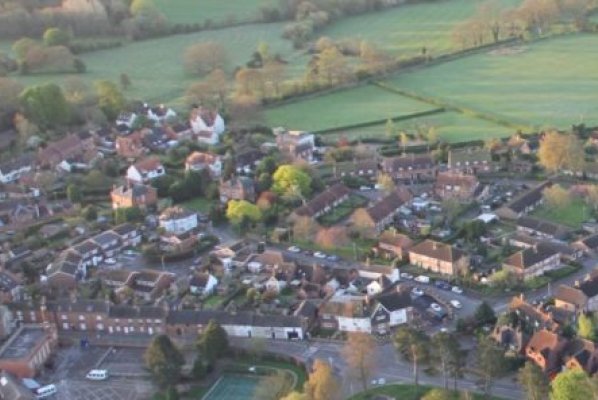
{"x":198,"y":161}
{"x":275,"y":285}
{"x":255,"y":267}
{"x":145,"y":170}
{"x":206,"y":125}
{"x":12,"y":170}
{"x":127,"y":119}
{"x":178,"y":220}
{"x":391,"y":309}
{"x":202,"y":284}
{"x":159,"y":114}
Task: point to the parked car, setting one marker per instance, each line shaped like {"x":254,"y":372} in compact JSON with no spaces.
{"x":417,"y":291}
{"x":440,"y":284}
{"x":422,"y":279}
{"x":294,"y":249}
{"x":110,"y":261}
{"x":406,"y":276}
{"x":319,"y":254}
{"x":333,"y":257}
{"x":456,"y":304}
{"x":457,"y":289}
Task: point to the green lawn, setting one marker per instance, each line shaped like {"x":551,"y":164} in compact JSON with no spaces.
{"x":550,"y":83}
{"x":155,"y":66}
{"x":450,"y":126}
{"x":346,"y":107}
{"x":406,"y":29}
{"x":343,"y":210}
{"x":572,"y":216}
{"x":199,"y":11}
{"x":409,"y":392}
{"x":199,"y":204}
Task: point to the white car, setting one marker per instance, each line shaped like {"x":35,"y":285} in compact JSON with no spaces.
{"x":456,"y":304}
{"x":417,"y":292}
{"x":406,"y":276}
{"x":436,"y":307}
{"x":422,"y":279}
{"x":457,"y":289}
{"x":110,"y":261}
{"x":319,"y":254}
{"x":294,"y":249}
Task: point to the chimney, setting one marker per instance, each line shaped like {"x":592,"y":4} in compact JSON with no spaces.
{"x":577,"y":284}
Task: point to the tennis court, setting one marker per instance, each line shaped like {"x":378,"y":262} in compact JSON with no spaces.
{"x":233,"y":387}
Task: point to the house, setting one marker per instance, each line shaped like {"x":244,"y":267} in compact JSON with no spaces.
{"x":12,"y":389}
{"x":118,"y":278}
{"x":470,"y":161}
{"x":63,"y":274}
{"x":524,"y":203}
{"x":159,"y":114}
{"x":367,"y":169}
{"x":324,"y":202}
{"x":144,"y":320}
{"x":145,"y":170}
{"x":534,"y":318}
{"x":546,"y":350}
{"x":198,"y":161}
{"x":203,"y":284}
{"x":345,"y":313}
{"x":150,"y":284}
{"x":534,"y":261}
{"x":11,"y":287}
{"x":588,"y":244}
{"x":581,"y":354}
{"x":126,"y":119}
{"x":410,"y":168}
{"x":377,"y":286}
{"x":390,"y":310}
{"x":457,"y":186}
{"x":582,"y":296}
{"x":181,"y":130}
{"x":377,"y":217}
{"x":275,"y":283}
{"x":109,"y":242}
{"x":237,"y":188}
{"x":27,"y":349}
{"x":159,"y":139}
{"x":207,"y":125}
{"x":129,"y":235}
{"x":91,"y":254}
{"x":541,"y":228}
{"x":130,"y":146}
{"x":295,"y":145}
{"x":134,"y":195}
{"x":247,"y":160}
{"x":178,"y":220}
{"x":73,"y":148}
{"x":439,"y":257}
{"x":11,"y":171}
{"x":392,"y":244}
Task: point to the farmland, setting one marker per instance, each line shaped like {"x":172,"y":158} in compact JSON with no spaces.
{"x":193,"y":11}
{"x":404,"y":30}
{"x":362,"y":104}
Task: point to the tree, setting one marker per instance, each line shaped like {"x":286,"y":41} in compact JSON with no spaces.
{"x":164,"y":361}
{"x":447,"y":352}
{"x":139,"y":7}
{"x":125,"y":81}
{"x":304,"y":228}
{"x":130,"y":214}
{"x":359,"y":355}
{"x":390,"y":128}
{"x":332,"y":66}
{"x":240,"y":212}
{"x":386,"y":183}
{"x":438,"y":394}
{"x":404,"y":140}
{"x":534,"y":381}
{"x":332,"y":238}
{"x":213,"y":342}
{"x":484,"y":314}
{"x":74,"y":194}
{"x":592,"y":196}
{"x":56,"y":37}
{"x":559,"y":151}
{"x":585,"y":327}
{"x":322,"y":384}
{"x":90,"y":213}
{"x":22,"y":46}
{"x":46,"y":106}
{"x":201,"y":58}
{"x":490,"y":363}
{"x":110,"y":99}
{"x":572,"y":384}
{"x":412,"y":344}
{"x":556,"y":196}
{"x":289,"y":178}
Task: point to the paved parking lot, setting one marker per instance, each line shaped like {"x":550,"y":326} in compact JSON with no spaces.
{"x":112,"y":389}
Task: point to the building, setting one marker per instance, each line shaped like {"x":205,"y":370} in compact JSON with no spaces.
{"x":198,"y":161}
{"x":11,"y":171}
{"x":110,"y":243}
{"x":524,"y":203}
{"x":588,"y":245}
{"x":134,"y":195}
{"x":11,"y":287}
{"x":26,"y":351}
{"x":237,"y":188}
{"x":346,"y":314}
{"x":546,"y":350}
{"x":581,"y":297}
{"x":410,"y":168}
{"x":150,"y":284}
{"x":367,"y":169}
{"x":202,"y":284}
{"x":376,"y":218}
{"x":130,"y":146}
{"x":470,"y":161}
{"x":581,"y":354}
{"x":533,"y":261}
{"x":456,"y":186}
{"x":392,"y":244}
{"x":295,"y":145}
{"x":541,"y":228}
{"x":90,"y":253}
{"x":178,"y":220}
{"x":324,"y":202}
{"x":63,"y":274}
{"x":158,"y":114}
{"x":145,"y":170}
{"x":129,"y":235}
{"x":207,"y":125}
{"x":71,"y":148}
{"x":391,"y":310}
{"x":439,"y":257}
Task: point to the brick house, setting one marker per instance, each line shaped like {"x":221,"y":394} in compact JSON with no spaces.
{"x":541,"y":228}
{"x":533,"y":261}
{"x":359,"y":168}
{"x":582,"y":296}
{"x":27,"y":349}
{"x":376,"y":218}
{"x":439,"y":257}
{"x":129,"y":234}
{"x":524,"y":203}
{"x":237,"y":188}
{"x":546,"y":350}
{"x":150,"y":284}
{"x":324,"y":202}
{"x":198,"y":161}
{"x":457,"y":186}
{"x":71,"y":147}
{"x":91,"y":254}
{"x":470,"y":161}
{"x":134,"y":195}
{"x":392,"y":244}
{"x":410,"y":167}
{"x":295,"y":145}
{"x":581,"y":354}
{"x":130,"y":146}
{"x":145,"y":170}
{"x":64,"y":275}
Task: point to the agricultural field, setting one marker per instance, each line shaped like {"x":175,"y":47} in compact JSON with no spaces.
{"x":342,"y":108}
{"x":193,"y":11}
{"x":404,"y":30}
{"x":450,"y":127}
{"x":157,"y":67}
{"x":552,"y":83}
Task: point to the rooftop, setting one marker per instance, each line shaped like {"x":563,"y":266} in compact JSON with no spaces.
{"x":21,"y":343}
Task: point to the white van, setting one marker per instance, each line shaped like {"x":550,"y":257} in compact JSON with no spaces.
{"x":45,"y":391}
{"x":97,"y":375}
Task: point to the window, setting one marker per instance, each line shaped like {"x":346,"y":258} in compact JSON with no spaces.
{"x":81,"y":318}
{"x":99,"y":318}
{"x":63,"y":317}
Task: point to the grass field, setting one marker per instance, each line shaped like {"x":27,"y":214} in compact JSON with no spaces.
{"x":408,"y":392}
{"x":450,"y":126}
{"x":155,"y":66}
{"x":365,"y":103}
{"x":572,"y":216}
{"x":199,"y":11}
{"x":550,"y":83}
{"x":199,"y":204}
{"x":233,"y":387}
{"x":406,"y":29}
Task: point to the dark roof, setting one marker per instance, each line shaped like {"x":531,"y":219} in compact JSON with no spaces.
{"x":248,"y":157}
{"x":589,"y":287}
{"x":8,"y":281}
{"x":530,"y":256}
{"x":136,"y":312}
{"x":438,"y":250}
{"x":542,"y":226}
{"x":124,"y":229}
{"x":385,"y":207}
{"x":202,"y":317}
{"x":132,"y":190}
{"x":85,"y":247}
{"x":24,"y":160}
{"x":529,"y":198}
{"x":64,"y":267}
{"x":306,"y":309}
{"x":199,"y":280}
{"x":406,"y":161}
{"x":396,"y":300}
{"x":325,"y":199}
{"x":105,"y":238}
{"x":591,"y":241}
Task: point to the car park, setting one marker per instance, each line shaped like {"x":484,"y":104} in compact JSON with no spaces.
{"x":456,"y":304}
{"x":457,"y":289}
{"x":294,"y":249}
{"x":417,"y":291}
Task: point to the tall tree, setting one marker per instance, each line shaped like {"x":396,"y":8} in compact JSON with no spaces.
{"x":360,"y":354}
{"x":556,"y":196}
{"x":110,"y":99}
{"x":213,"y":342}
{"x":534,"y":382}
{"x":289,"y":178}
{"x":447,"y":353}
{"x":386,"y":183}
{"x":322,"y":385}
{"x":560,"y":151}
{"x":484,"y":314}
{"x":490,"y":363}
{"x":240,"y":212}
{"x":74,"y":194}
{"x":46,"y":106}
{"x":202,"y":58}
{"x":164,"y":361}
{"x":333,"y":66}
{"x":413,"y":345}
{"x":572,"y":384}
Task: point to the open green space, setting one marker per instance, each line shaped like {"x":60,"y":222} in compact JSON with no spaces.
{"x":450,"y":127}
{"x":200,"y":204}
{"x":409,"y":392}
{"x":404,"y":30}
{"x":549,"y":83}
{"x":572,"y":215}
{"x":343,"y":210}
{"x":193,"y":11}
{"x":155,"y":66}
{"x":342,"y":108}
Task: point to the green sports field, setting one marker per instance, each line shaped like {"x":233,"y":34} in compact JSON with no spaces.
{"x":342,"y":108}
{"x":552,"y":83}
{"x":199,"y":11}
{"x":233,"y":387}
{"x":404,"y":30}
